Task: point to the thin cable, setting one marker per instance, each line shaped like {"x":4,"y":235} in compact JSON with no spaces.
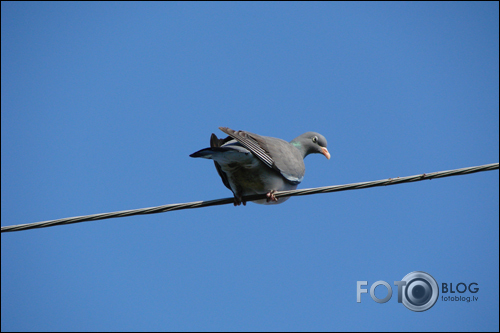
{"x":225,"y":201}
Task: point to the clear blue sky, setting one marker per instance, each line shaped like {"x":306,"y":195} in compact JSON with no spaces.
{"x":102,"y":103}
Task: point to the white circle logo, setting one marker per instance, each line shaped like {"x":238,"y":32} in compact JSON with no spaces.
{"x":420,"y":292}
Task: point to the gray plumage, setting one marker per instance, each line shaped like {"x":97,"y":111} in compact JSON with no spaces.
{"x":253,"y":164}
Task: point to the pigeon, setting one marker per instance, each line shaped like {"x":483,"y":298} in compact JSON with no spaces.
{"x":250,"y":164}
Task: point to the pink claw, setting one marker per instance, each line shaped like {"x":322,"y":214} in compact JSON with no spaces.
{"x":270,"y":196}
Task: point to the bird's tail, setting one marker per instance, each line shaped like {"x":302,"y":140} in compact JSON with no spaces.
{"x":215,"y":144}
{"x":205,"y":153}
{"x":209,"y":152}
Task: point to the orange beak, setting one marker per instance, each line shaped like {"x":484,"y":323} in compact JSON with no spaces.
{"x":325,"y":152}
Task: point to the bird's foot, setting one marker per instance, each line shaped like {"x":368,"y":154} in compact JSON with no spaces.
{"x":270,"y":196}
{"x":238,"y":201}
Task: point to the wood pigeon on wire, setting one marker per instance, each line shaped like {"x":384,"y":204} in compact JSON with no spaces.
{"x":253,"y":164}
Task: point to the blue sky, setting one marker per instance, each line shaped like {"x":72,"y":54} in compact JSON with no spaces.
{"x":102,"y":103}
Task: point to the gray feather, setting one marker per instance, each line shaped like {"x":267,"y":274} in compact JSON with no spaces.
{"x":249,"y":163}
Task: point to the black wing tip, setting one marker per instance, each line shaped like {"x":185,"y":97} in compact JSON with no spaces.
{"x":214,"y":140}
{"x":218,"y":142}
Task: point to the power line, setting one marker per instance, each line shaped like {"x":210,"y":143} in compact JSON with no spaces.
{"x":225,"y":201}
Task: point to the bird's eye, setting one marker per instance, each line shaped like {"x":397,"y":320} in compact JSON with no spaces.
{"x":315,"y":139}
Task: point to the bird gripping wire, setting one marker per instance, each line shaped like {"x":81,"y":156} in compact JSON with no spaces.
{"x":225,"y":201}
